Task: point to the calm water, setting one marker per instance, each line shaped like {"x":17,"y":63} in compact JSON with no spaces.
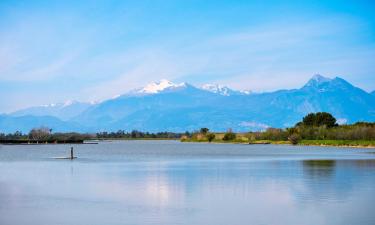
{"x":167,"y":182}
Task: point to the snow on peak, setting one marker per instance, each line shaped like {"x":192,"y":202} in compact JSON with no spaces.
{"x":246,"y":92}
{"x":216,"y":88}
{"x":50,"y":105}
{"x":320,"y":79}
{"x":160,"y":86}
{"x":223,"y":90}
{"x":69,"y":102}
{"x":115,"y":96}
{"x":317,"y":78}
{"x":61,"y":104}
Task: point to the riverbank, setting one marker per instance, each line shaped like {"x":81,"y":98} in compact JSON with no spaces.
{"x":340,"y":143}
{"x":34,"y":142}
{"x":137,"y":139}
{"x":327,"y":143}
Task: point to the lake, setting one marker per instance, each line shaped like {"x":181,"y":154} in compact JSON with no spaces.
{"x":168,"y":182}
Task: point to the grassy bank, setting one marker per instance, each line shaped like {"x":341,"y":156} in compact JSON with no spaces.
{"x":243,"y":138}
{"x":340,"y":143}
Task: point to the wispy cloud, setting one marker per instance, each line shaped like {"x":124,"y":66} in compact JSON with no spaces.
{"x":96,"y":53}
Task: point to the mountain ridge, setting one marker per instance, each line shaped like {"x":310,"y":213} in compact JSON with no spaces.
{"x":64,"y":111}
{"x":179,"y":107}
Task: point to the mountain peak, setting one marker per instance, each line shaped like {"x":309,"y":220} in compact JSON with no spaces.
{"x":320,"y":79}
{"x":324,"y":84}
{"x":223,"y":90}
{"x":317,"y":80}
{"x":160,"y":86}
{"x":217,"y":89}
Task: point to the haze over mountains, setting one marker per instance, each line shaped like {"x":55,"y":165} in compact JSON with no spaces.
{"x":63,"y":111}
{"x":166,"y":106}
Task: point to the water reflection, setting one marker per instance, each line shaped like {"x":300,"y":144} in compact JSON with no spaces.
{"x":319,"y":168}
{"x":366,"y":164}
{"x":118,"y":185}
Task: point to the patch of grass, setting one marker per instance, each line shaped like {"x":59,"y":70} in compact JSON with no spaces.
{"x":241,"y":138}
{"x":355,"y":143}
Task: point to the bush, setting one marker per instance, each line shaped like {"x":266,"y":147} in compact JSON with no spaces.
{"x":184,"y":138}
{"x":210,"y":137}
{"x":229,"y":136}
{"x":294,"y":139}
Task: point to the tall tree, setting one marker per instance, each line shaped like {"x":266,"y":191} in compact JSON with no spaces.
{"x":319,"y":119}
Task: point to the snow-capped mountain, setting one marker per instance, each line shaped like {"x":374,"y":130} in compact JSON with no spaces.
{"x":317,"y":80}
{"x":223,"y":90}
{"x":166,"y":106}
{"x":157,"y":87}
{"x":186,"y":107}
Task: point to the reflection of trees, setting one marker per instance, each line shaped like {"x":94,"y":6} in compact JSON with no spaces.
{"x":336,"y":179}
{"x":319,"y":168}
{"x":365,"y":163}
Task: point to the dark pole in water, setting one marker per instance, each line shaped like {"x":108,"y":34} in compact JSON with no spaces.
{"x":71,"y":152}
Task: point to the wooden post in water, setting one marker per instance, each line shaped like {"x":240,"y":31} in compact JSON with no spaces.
{"x":71,"y":153}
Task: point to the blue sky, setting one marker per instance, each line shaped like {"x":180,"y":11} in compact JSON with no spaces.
{"x":52,"y":51}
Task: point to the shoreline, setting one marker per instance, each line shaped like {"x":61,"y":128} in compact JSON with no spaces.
{"x":266,"y":142}
{"x":319,"y":143}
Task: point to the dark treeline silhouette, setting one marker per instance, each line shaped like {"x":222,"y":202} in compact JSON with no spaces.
{"x":42,"y":135}
{"x":14,"y":136}
{"x":139,"y":134}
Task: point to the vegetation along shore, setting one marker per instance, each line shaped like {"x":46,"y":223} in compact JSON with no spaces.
{"x":314,"y":129}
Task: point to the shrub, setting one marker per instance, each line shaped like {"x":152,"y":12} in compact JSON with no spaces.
{"x":294,"y":139}
{"x":229,"y":136}
{"x":184,"y":138}
{"x":210,"y":137}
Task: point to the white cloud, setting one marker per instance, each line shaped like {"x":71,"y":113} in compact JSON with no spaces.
{"x":254,"y":125}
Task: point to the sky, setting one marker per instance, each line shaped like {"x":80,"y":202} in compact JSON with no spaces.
{"x":53,"y":51}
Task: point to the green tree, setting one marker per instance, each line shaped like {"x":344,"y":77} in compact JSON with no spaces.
{"x":210,"y":137}
{"x":204,"y":130}
{"x":319,"y":119}
{"x":323,"y":118}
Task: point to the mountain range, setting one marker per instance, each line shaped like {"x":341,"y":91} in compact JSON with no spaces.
{"x":166,"y":106}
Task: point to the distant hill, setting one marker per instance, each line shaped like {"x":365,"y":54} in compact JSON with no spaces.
{"x":179,"y":107}
{"x":11,"y":124}
{"x":63,"y":111}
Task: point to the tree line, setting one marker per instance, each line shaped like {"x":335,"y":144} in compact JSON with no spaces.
{"x":318,"y":126}
{"x":314,"y":126}
{"x":135,"y":134}
{"x":45,"y":134}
